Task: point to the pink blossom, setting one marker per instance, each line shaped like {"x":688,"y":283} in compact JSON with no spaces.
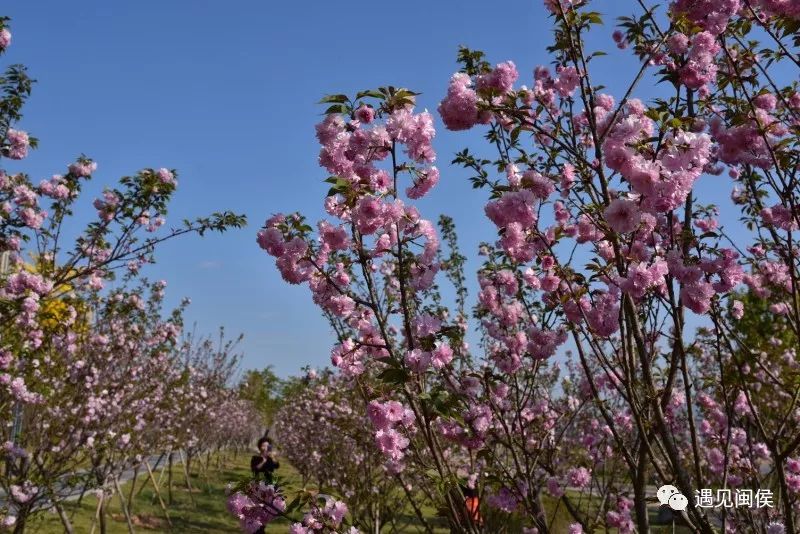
{"x":550,"y":282}
{"x":333,"y":237}
{"x":554,"y":487}
{"x":541,"y":186}
{"x":567,"y":81}
{"x":426,"y":325}
{"x":743,"y":143}
{"x":335,"y":510}
{"x":641,"y":278}
{"x":501,"y":79}
{"x":365,"y":114}
{"x":417,"y":360}
{"x":603,"y":316}
{"x":697,"y":296}
{"x":18,"y":143}
{"x":415,"y":131}
{"x":425,"y":181}
{"x":678,"y":43}
{"x":514,"y":242}
{"x":5,"y":38}
{"x":737,"y":309}
{"x":619,"y":39}
{"x":503,"y":500}
{"x":711,"y":15}
{"x":700,"y":68}
{"x":391,"y":443}
{"x":459,"y":109}
{"x":579,"y":477}
{"x":558,"y":6}
{"x":166,"y":176}
{"x":271,"y":240}
{"x":513,"y":207}
{"x":369,"y":214}
{"x":441,"y":356}
{"x":765,"y":101}
{"x":622,"y":215}
{"x":83,"y":168}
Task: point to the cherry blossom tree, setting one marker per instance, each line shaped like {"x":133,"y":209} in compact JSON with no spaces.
{"x":88,"y":372}
{"x":588,"y":386}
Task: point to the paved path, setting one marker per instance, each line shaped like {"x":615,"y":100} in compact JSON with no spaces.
{"x":69,"y":493}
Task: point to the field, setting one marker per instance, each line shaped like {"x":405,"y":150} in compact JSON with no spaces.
{"x":204,"y":510}
{"x":205,"y":513}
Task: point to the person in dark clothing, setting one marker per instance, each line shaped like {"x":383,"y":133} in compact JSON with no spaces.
{"x":265,"y":462}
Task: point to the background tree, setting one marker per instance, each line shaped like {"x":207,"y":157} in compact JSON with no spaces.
{"x":264,"y":389}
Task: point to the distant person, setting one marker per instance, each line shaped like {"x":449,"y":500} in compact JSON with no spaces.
{"x":265,"y":462}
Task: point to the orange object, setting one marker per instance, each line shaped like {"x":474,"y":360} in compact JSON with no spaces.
{"x":473,"y":508}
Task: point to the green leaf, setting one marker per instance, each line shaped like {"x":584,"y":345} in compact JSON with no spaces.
{"x":334,"y":99}
{"x":594,"y":17}
{"x":370,"y":93}
{"x":337,"y":108}
{"x":394,"y":376}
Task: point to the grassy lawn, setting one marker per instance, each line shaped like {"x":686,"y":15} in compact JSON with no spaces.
{"x":208,"y":514}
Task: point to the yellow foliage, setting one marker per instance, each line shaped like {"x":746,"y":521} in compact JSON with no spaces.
{"x":57,"y":310}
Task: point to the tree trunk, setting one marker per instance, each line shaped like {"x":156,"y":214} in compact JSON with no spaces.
{"x":96,"y":517}
{"x":124,"y":505}
{"x":103,"y":518}
{"x":185,"y":463}
{"x":22,"y":517}
{"x":188,"y":462}
{"x":64,"y":519}
{"x":155,"y":466}
{"x":169,"y":479}
{"x":640,"y":488}
{"x":133,"y":487}
{"x":158,"y":493}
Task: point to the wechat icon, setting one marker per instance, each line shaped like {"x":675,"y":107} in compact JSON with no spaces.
{"x":670,"y":496}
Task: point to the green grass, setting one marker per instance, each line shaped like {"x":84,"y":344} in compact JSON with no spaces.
{"x":208,"y":513}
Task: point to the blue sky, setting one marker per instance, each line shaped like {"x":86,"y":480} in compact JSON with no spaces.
{"x":226,"y":93}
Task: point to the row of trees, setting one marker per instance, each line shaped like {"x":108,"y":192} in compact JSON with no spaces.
{"x":588,"y":387}
{"x":95,"y":375}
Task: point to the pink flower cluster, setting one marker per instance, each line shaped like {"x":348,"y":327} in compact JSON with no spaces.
{"x":323,"y":519}
{"x":748,"y":143}
{"x":782,"y":8}
{"x":620,"y":518}
{"x":256,"y":506}
{"x":5,"y":39}
{"x":350,"y":150}
{"x":459,"y":109}
{"x":700,"y":68}
{"x":18,"y":143}
{"x":499,"y":80}
{"x":711,"y":15}
{"x":664,"y":183}
{"x":389,"y":419}
{"x":504,"y":500}
{"x":291,"y":253}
